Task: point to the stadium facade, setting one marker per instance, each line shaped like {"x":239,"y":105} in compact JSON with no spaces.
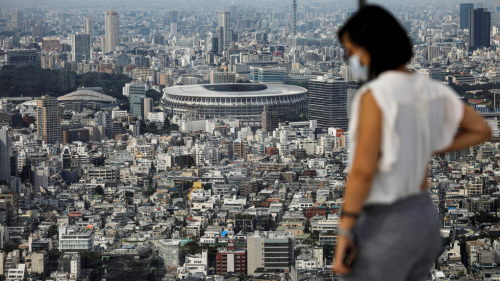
{"x":244,"y":101}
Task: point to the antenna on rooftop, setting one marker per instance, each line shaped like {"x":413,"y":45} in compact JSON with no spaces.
{"x":294,"y":6}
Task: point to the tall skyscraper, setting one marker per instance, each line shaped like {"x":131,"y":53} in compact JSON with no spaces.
{"x":220,"y":38}
{"x":48,"y":118}
{"x":80,"y":44}
{"x":89,"y":24}
{"x":294,"y":27}
{"x":112,"y":31}
{"x":497,"y":12}
{"x":224,"y":22}
{"x":5,"y":154}
{"x":464,"y":14}
{"x":173,"y":16}
{"x":147,"y":107}
{"x":328,"y":102}
{"x":137,"y":92}
{"x":17,"y":19}
{"x":479,"y":28}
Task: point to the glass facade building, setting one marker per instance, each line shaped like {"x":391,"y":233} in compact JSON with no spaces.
{"x":328,"y":102}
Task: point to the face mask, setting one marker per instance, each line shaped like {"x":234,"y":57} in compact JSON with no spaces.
{"x":357,"y":68}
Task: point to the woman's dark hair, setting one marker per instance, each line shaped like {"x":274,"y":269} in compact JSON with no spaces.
{"x":376,"y":30}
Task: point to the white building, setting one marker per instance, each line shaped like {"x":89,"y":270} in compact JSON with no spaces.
{"x":194,"y":264}
{"x":75,"y":239}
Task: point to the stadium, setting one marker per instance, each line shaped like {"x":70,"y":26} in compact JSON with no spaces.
{"x":85,"y":98}
{"x":245,"y":101}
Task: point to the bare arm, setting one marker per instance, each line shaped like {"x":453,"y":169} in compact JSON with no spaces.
{"x":474,"y":130}
{"x":366,"y":158}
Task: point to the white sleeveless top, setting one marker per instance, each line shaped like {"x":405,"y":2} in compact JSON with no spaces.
{"x":420,"y":117}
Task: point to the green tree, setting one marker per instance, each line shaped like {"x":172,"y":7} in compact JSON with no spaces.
{"x":99,"y":190}
{"x":10,"y":247}
{"x":53,"y":230}
{"x":152,"y":128}
{"x":129,"y":194}
{"x":153,"y":94}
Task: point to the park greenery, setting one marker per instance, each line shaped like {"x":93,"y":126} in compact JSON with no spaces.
{"x":29,"y":81}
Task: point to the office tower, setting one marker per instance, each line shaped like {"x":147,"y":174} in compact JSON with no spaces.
{"x":272,"y":250}
{"x":347,"y":73}
{"x":17,"y":20}
{"x":464,"y":14}
{"x":137,"y":92}
{"x":173,"y":27}
{"x":479,"y":28}
{"x":147,"y":107}
{"x":267,"y":74}
{"x":220,"y":38}
{"x":89,"y":24}
{"x":222,"y":77}
{"x":173,"y":16}
{"x":66,"y":158}
{"x":433,"y":52}
{"x":328,"y":102}
{"x":294,"y":27}
{"x":48,"y":118}
{"x":223,"y":18}
{"x":271,"y":118}
{"x":80,"y":44}
{"x":5,"y":155}
{"x":112,"y":31}
{"x":497,"y":12}
{"x":24,"y":57}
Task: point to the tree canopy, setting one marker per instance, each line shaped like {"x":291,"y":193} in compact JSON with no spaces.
{"x":35,"y":82}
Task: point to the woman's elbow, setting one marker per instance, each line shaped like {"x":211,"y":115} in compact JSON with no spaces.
{"x":362,"y":175}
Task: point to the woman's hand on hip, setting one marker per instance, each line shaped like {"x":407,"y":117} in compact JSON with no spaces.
{"x":344,"y":244}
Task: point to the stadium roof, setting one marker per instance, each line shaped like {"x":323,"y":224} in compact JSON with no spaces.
{"x":243,"y":90}
{"x":85,"y":95}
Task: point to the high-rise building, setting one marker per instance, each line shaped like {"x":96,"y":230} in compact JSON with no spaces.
{"x":5,"y":155}
{"x":224,"y":22}
{"x":23,"y":57}
{"x":173,"y":16}
{"x":220,"y":38}
{"x":222,"y":77}
{"x":479,"y":28}
{"x":80,"y":45}
{"x":328,"y":102}
{"x":89,"y":24}
{"x":497,"y":12}
{"x":112,"y":31}
{"x":464,"y":14}
{"x":270,"y":251}
{"x":433,"y":52}
{"x":173,"y":27}
{"x":169,"y":252}
{"x":48,"y":118}
{"x":17,"y":20}
{"x":147,"y":107}
{"x":271,"y":119}
{"x":347,"y":73}
{"x":231,"y":260}
{"x":267,"y":74}
{"x":137,"y":92}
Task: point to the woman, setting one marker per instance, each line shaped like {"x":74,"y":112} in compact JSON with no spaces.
{"x":399,"y":120}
